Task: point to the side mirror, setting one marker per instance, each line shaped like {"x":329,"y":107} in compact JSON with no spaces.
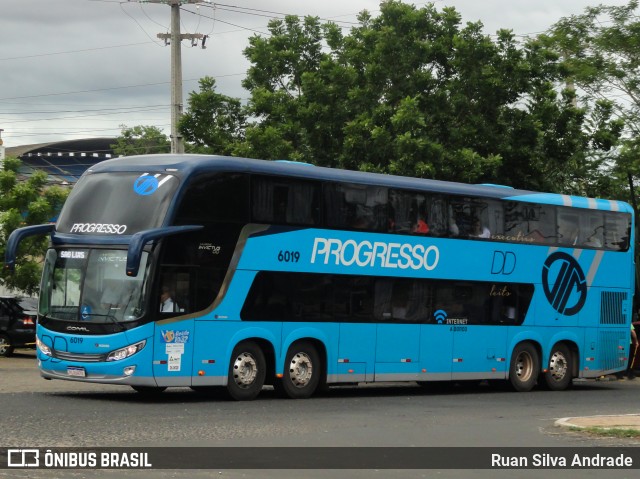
{"x":17,"y":236}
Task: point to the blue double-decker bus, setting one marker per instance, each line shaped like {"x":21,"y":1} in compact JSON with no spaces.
{"x":209,"y":271}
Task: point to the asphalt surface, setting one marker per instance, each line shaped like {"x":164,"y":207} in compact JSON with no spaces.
{"x":94,"y":415}
{"x":18,"y":375}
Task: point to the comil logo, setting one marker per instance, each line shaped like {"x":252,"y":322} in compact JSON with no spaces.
{"x":564,"y":283}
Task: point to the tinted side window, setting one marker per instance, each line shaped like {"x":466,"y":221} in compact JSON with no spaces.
{"x":359,"y":207}
{"x":568,"y":227}
{"x":592,"y":229}
{"x":403,"y":300}
{"x":284,"y":201}
{"x":341,"y":298}
{"x":530,"y":223}
{"x":408,"y":212}
{"x":213,"y":198}
{"x":617,"y":229}
{"x":476,"y":218}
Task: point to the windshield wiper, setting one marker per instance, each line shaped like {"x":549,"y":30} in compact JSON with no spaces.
{"x":111,"y":317}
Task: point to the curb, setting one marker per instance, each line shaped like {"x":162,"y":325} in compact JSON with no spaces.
{"x":605,"y":422}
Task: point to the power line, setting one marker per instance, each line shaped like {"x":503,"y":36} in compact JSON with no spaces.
{"x":110,"y":88}
{"x":100,"y":113}
{"x":74,"y":51}
{"x":22,"y":112}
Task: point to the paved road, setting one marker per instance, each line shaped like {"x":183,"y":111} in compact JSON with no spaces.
{"x":43,"y":413}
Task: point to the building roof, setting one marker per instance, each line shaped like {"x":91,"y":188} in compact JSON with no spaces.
{"x":63,"y":161}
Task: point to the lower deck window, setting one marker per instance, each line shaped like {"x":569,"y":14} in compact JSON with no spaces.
{"x":276,"y":296}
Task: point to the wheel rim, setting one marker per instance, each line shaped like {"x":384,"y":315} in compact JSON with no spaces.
{"x":245,"y":370}
{"x":300,"y":370}
{"x":4,"y":346}
{"x":558,"y":366}
{"x":524,"y":366}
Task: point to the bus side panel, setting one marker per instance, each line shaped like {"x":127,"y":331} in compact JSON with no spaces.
{"x":215,"y":340}
{"x":356,"y":354}
{"x":436,"y":344}
{"x":605,"y":351}
{"x":325,"y":333}
{"x":398,"y":352}
{"x":479,"y":352}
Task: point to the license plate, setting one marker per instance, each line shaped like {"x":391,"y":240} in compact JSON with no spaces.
{"x":77,"y":372}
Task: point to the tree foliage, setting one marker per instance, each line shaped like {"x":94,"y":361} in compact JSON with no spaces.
{"x":213,"y":123}
{"x":141,"y":140}
{"x":24,"y":203}
{"x":413,"y":92}
{"x":601,"y":55}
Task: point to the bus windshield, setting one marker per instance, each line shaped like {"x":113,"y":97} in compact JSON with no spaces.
{"x":91,"y":285}
{"x":117,"y":204}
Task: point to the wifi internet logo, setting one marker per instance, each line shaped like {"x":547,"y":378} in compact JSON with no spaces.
{"x":440,"y":315}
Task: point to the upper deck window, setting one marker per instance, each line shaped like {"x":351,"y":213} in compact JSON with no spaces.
{"x":117,"y":203}
{"x":284,"y":201}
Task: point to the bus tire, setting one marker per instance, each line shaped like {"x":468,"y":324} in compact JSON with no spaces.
{"x":247,"y":372}
{"x":302,"y":371}
{"x":559,"y":373}
{"x":6,"y":348}
{"x":525,"y":367}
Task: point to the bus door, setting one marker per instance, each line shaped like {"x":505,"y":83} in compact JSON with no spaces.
{"x":174,"y":338}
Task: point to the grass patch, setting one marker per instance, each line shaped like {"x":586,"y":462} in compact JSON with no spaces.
{"x":609,"y":432}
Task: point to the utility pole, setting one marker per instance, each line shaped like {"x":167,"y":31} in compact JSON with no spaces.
{"x":174,"y":39}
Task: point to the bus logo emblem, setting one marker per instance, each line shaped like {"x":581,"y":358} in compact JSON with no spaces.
{"x":146,"y":185}
{"x":569,"y":291}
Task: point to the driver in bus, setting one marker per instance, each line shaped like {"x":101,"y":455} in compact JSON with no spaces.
{"x":167,"y":305}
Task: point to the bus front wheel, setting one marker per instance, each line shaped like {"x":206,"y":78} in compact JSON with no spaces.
{"x":559,"y":371}
{"x":247,"y":371}
{"x":302,"y":370}
{"x":525,"y":367}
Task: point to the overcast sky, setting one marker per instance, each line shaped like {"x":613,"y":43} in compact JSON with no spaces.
{"x":81,"y":68}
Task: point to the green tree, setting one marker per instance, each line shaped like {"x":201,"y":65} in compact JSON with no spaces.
{"x":23,"y":203}
{"x":414,"y":92}
{"x":213,"y":123}
{"x":601,"y":55}
{"x":141,"y":140}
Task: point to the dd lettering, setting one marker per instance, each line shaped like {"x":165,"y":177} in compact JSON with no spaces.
{"x":504,"y":262}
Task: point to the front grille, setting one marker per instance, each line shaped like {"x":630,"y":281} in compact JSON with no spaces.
{"x":78,"y":357}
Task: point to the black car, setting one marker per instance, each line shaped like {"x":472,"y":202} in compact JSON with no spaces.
{"x":17,"y":323}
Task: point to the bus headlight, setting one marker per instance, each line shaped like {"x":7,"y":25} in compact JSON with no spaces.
{"x":43,"y":348}
{"x":127,"y":351}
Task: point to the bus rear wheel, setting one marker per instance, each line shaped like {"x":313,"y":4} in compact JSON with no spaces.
{"x":559,"y":371}
{"x":247,"y":372}
{"x":302,"y":371}
{"x":525,"y":367}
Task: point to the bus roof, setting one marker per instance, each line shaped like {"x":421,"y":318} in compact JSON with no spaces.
{"x":186,"y":166}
